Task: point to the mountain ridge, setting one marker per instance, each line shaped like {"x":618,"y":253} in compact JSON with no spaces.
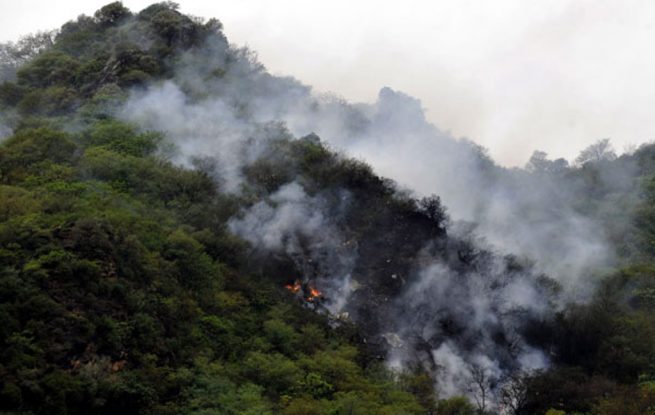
{"x":144,"y":268}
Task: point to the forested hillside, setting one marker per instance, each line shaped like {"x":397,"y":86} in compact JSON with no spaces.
{"x":210,"y":261}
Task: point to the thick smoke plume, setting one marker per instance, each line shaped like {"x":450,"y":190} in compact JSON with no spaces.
{"x":526,"y":214}
{"x":291,"y":222}
{"x":458,"y":321}
{"x":465,"y":313}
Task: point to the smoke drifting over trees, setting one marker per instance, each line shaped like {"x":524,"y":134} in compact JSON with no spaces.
{"x":530,"y":215}
{"x":222,"y":104}
{"x":446,"y":263}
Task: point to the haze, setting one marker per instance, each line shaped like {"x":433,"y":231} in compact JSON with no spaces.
{"x":514,"y":76}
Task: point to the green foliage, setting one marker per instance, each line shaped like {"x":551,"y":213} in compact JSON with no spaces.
{"x":51,"y":68}
{"x":112,"y":14}
{"x":55,"y":100}
{"x":455,"y":406}
{"x":10,"y":94}
{"x":420,"y":384}
{"x":277,"y":373}
{"x":122,"y":291}
{"x":638,"y":401}
{"x":123,"y":138}
{"x":30,"y":149}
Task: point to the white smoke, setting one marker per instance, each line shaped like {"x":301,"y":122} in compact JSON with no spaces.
{"x":529,"y":215}
{"x":484,"y":312}
{"x":296,"y":224}
{"x":221,"y":103}
{"x":208,"y":128}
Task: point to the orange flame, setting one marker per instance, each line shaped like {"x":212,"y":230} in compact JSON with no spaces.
{"x":310,"y":293}
{"x":313,"y":294}
{"x":295,"y":288}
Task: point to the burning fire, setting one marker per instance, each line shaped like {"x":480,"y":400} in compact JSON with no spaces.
{"x":313,"y":294}
{"x":295,"y":288}
{"x":310,"y":293}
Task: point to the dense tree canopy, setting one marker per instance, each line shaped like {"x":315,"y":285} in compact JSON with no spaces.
{"x":123,"y":289}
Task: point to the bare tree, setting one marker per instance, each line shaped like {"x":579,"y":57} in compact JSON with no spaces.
{"x":514,"y":392}
{"x":480,"y":386}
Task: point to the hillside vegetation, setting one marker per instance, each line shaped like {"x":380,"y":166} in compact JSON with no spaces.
{"x":124,"y":287}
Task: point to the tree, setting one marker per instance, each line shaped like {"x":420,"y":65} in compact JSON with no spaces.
{"x":435,"y":211}
{"x":112,"y":14}
{"x":514,"y":392}
{"x":539,"y":163}
{"x":457,"y":405}
{"x":480,"y":386}
{"x":48,"y":69}
{"x":13,"y":55}
{"x":601,"y":150}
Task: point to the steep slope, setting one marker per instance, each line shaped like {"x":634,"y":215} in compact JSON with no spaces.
{"x":169,"y":245}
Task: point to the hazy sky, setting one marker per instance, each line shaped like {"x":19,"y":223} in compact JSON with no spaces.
{"x":512,"y":75}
